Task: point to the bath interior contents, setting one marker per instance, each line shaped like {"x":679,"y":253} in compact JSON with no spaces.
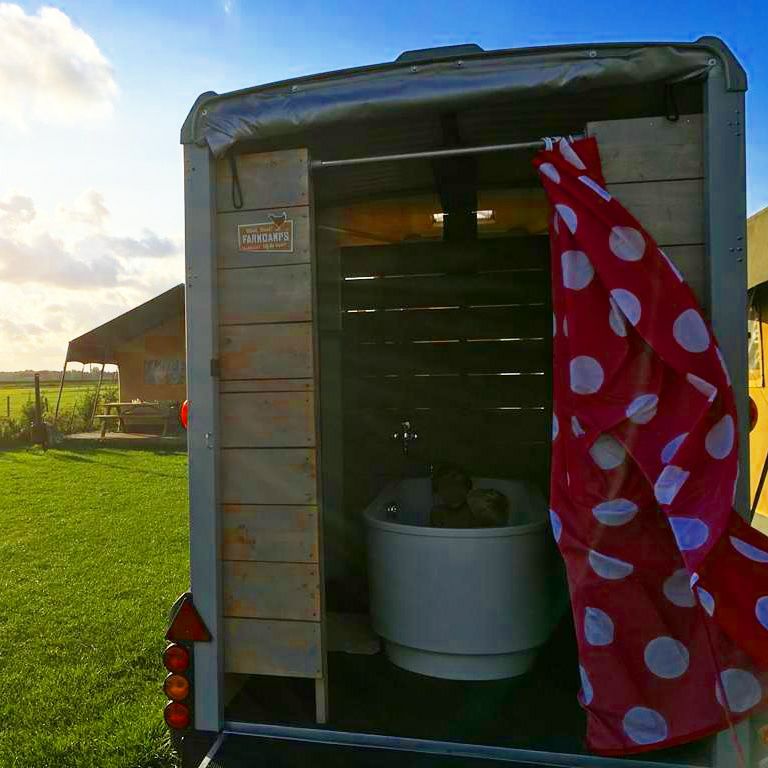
{"x":668,"y":584}
{"x":489,"y":508}
{"x":450,"y":485}
{"x":459,"y":506}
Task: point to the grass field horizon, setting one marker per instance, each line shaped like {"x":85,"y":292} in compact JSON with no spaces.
{"x":95,"y":547}
{"x":23,"y":392}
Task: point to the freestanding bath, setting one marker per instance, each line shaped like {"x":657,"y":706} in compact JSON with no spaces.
{"x":462,"y":604}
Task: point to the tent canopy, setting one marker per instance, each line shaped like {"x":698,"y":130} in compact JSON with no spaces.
{"x":757,"y":248}
{"x":100,"y":344}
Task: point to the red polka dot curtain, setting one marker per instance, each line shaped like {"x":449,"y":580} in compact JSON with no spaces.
{"x":669,"y":586}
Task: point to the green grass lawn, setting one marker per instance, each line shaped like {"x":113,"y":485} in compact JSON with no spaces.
{"x":14,"y":395}
{"x":93,"y":551}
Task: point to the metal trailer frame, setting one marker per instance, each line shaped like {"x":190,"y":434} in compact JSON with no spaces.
{"x":726,"y":257}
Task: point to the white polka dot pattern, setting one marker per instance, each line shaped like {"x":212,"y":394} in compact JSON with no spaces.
{"x":595,"y":187}
{"x":691,"y":332}
{"x":550,"y":172}
{"x":749,"y":551}
{"x":557,"y":525}
{"x":598,"y":627}
{"x":587,"y":692}
{"x":645,"y":726}
{"x":669,"y":483}
{"x":671,"y":448}
{"x":742,"y":690}
{"x":720,"y":439}
{"x":677,"y":590}
{"x":708,"y":390}
{"x":577,"y":270}
{"x":555,"y":427}
{"x":671,"y":265}
{"x":627,"y":243}
{"x":587,"y":375}
{"x":761,"y":611}
{"x":690,"y":532}
{"x":607,"y":452}
{"x":666,"y":657}
{"x":568,"y":152}
{"x":615,"y":512}
{"x":576,"y":428}
{"x":706,"y":600}
{"x":568,"y":215}
{"x":642,"y":409}
{"x":610,"y":568}
{"x":616,"y":320}
{"x":628,"y":303}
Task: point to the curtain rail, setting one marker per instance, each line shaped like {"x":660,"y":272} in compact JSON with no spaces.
{"x":435,"y":153}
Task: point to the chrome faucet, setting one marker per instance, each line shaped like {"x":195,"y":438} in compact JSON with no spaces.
{"x":406,"y":435}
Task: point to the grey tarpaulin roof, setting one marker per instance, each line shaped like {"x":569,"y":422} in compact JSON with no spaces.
{"x":100,"y":344}
{"x":437,"y":81}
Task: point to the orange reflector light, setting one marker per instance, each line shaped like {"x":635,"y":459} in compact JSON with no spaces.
{"x":184,"y":414}
{"x":176,"y":658}
{"x":176,"y":715}
{"x":186,"y":623}
{"x":753,"y":414}
{"x":176,"y":687}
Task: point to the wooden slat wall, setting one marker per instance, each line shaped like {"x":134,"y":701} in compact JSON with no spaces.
{"x":271,"y":538}
{"x":655,"y":167}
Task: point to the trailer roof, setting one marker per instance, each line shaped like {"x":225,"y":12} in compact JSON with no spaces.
{"x":757,"y":248}
{"x":456,"y":77}
{"x":100,"y":344}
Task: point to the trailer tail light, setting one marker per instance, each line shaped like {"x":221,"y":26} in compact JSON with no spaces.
{"x":176,"y":658}
{"x":186,"y":624}
{"x":176,"y":715}
{"x":753,"y":414}
{"x":184,"y":414}
{"x":176,"y":687}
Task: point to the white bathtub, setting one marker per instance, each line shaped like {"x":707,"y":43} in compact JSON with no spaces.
{"x":462,"y":604}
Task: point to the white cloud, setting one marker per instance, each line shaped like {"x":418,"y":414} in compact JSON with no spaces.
{"x":50,"y":70}
{"x":16,"y":211}
{"x":88,"y":209}
{"x":228,"y":6}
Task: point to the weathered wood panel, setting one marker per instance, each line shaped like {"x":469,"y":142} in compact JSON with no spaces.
{"x":268,"y":476}
{"x":265,"y":295}
{"x":650,"y":148}
{"x":267,"y":420}
{"x":288,"y":591}
{"x":266,"y":351}
{"x":524,"y":287}
{"x":285,"y":648}
{"x":269,"y":534}
{"x":691,"y":261}
{"x":440,"y":257}
{"x":434,"y":324}
{"x":449,"y":392}
{"x":528,"y":356}
{"x":228,"y":244}
{"x":267,"y":180}
{"x":671,"y":211}
{"x":267,"y":385}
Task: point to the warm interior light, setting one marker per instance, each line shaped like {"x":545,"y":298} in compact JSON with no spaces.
{"x":176,"y":715}
{"x":753,"y":414}
{"x":482,"y":216}
{"x":176,"y":687}
{"x":176,"y":658}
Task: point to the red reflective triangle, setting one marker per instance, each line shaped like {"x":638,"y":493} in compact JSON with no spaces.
{"x":186,"y":624}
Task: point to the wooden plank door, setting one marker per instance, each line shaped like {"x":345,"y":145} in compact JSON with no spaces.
{"x":272,"y":585}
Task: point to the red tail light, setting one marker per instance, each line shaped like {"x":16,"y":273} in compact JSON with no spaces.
{"x":184,"y":414}
{"x":186,"y":624}
{"x":176,"y":715}
{"x":176,"y":658}
{"x":176,"y":687}
{"x":753,"y":414}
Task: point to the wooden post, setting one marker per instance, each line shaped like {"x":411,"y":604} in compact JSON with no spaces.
{"x":96,"y":399}
{"x":61,"y":389}
{"x":8,"y":406}
{"x":39,"y":430}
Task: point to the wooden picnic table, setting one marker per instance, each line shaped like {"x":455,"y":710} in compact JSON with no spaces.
{"x":143,"y":410}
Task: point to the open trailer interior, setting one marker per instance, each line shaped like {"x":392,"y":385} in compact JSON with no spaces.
{"x":353,"y":325}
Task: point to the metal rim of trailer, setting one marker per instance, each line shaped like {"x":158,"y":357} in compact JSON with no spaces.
{"x":725,"y":211}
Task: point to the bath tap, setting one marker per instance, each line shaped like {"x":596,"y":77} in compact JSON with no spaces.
{"x":406,"y":435}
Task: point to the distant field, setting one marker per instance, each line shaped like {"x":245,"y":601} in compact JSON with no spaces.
{"x":22,"y":392}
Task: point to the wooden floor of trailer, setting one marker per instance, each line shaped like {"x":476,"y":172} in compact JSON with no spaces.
{"x":370,"y":695}
{"x":126,"y":439}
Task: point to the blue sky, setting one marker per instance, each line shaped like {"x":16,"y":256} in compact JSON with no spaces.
{"x":118,"y":174}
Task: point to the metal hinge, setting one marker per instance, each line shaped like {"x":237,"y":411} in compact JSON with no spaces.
{"x":215,"y":368}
